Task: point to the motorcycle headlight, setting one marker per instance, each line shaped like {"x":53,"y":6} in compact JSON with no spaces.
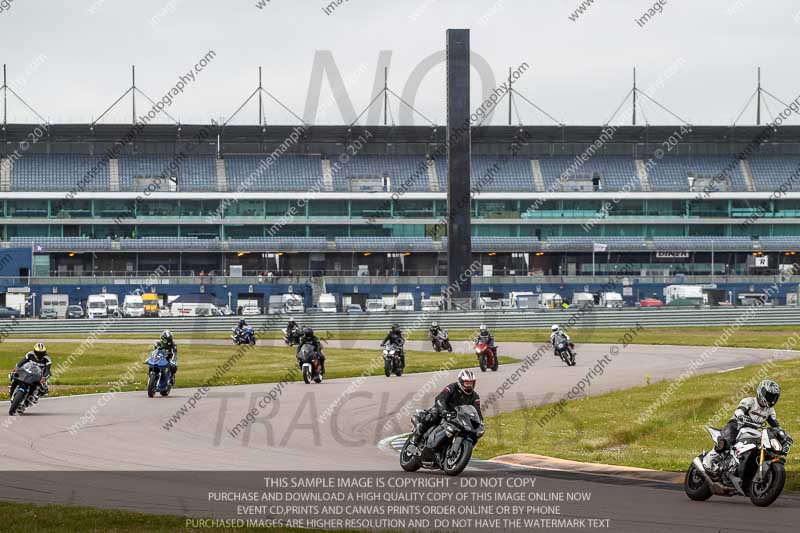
{"x":450,"y":430}
{"x":776,"y":445}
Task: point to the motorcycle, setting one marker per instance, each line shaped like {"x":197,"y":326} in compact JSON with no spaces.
{"x":159,"y":375}
{"x":441,"y":341}
{"x":24,"y":389}
{"x":291,"y":339}
{"x":392,"y":362}
{"x":565,"y":350}
{"x":446,"y":446}
{"x":309,"y":359}
{"x":246,"y":336}
{"x":486,"y":358}
{"x":754,"y":467}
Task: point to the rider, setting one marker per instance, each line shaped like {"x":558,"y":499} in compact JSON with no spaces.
{"x":292,"y":330}
{"x":39,"y":357}
{"x":556,"y":331}
{"x":435,"y":330}
{"x":395,"y":336}
{"x":753,"y":410}
{"x":462,"y":392}
{"x":239,"y":331}
{"x":484,"y":335}
{"x":167,"y":343}
{"x":308,"y":337}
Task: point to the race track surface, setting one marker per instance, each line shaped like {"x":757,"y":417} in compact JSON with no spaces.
{"x":301,"y":431}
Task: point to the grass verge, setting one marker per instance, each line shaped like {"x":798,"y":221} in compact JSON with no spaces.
{"x":604,"y":429}
{"x":104,"y":366}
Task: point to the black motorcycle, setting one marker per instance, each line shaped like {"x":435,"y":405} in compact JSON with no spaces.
{"x":392,"y":361}
{"x":446,"y":446}
{"x":291,"y":338}
{"x":565,"y":350}
{"x":311,"y":364}
{"x":25,"y":387}
{"x":754,"y":468}
{"x":441,"y":341}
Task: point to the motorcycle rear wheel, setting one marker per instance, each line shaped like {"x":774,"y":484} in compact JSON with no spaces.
{"x":458,"y":464}
{"x":16,"y":401}
{"x":408,"y":462}
{"x":695,"y":486}
{"x":765,"y":493}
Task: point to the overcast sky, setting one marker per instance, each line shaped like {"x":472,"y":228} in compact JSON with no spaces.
{"x":71,"y":60}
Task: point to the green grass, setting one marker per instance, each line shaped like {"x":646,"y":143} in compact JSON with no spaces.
{"x":102,"y":365}
{"x":745,"y":337}
{"x":604,"y":429}
{"x":68,"y":519}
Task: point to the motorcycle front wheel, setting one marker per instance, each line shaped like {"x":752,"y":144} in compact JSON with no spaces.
{"x":495,"y":364}
{"x":152,"y":381}
{"x":306,"y":374}
{"x":765,"y":492}
{"x":456,"y":461}
{"x":695,"y":486}
{"x":16,"y":401}
{"x":482,"y":362}
{"x":387,"y":367}
{"x":409,"y":462}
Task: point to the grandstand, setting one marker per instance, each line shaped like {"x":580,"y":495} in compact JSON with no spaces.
{"x":542,"y":215}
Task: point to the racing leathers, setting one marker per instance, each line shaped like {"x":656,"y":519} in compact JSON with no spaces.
{"x":559,"y":333}
{"x":487,"y":337}
{"x":317,"y":345}
{"x":45,"y":363}
{"x":749,"y":410}
{"x":171,"y":350}
{"x":446,"y":402}
{"x":396,"y":338}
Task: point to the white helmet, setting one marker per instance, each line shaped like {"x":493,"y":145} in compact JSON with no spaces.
{"x":466,"y":381}
{"x":483,"y":327}
{"x":554,"y":327}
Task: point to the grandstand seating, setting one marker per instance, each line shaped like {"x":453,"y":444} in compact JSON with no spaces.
{"x":781,"y":244}
{"x":68,"y":244}
{"x":284,"y":173}
{"x":513,"y":173}
{"x":277,"y":243}
{"x":491,"y":244}
{"x":406,"y":172}
{"x":389,"y":244}
{"x":771,"y":172}
{"x":586,"y":243}
{"x":616,"y":172}
{"x":59,"y":172}
{"x":169,"y":243}
{"x":195,"y":173}
{"x":671,"y":172}
{"x":703,"y":243}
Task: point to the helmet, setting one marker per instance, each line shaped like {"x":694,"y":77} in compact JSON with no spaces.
{"x":291,"y":320}
{"x":434,"y":324}
{"x":483,"y":328}
{"x":39,"y":350}
{"x":768,"y":393}
{"x":396,"y":327}
{"x":242,"y":322}
{"x":308,"y":332}
{"x":554,"y":327}
{"x":466,"y":381}
{"x":166,"y":336}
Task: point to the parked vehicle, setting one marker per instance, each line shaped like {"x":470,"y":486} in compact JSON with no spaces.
{"x":611,"y":300}
{"x":112,"y":304}
{"x":550,"y":300}
{"x":48,"y":312}
{"x":354,"y":308}
{"x":250,"y":310}
{"x":327,"y":303}
{"x":18,"y":302}
{"x":392,"y":364}
{"x":375,"y":305}
{"x":447,"y":446}
{"x":692,"y":293}
{"x":9,"y":312}
{"x":195,"y":309}
{"x":486,"y":358}
{"x":754,"y":468}
{"x":431,"y":305}
{"x":133,"y":306}
{"x":247,"y":336}
{"x":489,"y":303}
{"x":311,"y":364}
{"x":523,"y":300}
{"x":580,"y":299}
{"x":151,"y":303}
{"x":564,"y":349}
{"x":24,"y":389}
{"x":441,"y":341}
{"x":96,"y":306}
{"x":74,"y":311}
{"x":159,"y":375}
{"x":55,"y":302}
{"x":651,"y":302}
{"x":404,"y":302}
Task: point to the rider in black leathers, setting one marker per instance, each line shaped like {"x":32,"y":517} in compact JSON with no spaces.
{"x":293,"y":332}
{"x":486,"y":336}
{"x":462,"y":392}
{"x":39,"y":357}
{"x":395,"y":336}
{"x":239,"y":331}
{"x":308,"y":337}
{"x":167,"y":343}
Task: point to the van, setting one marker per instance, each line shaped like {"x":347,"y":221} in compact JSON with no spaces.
{"x":133,"y":306}
{"x":375,"y":305}
{"x":293,"y":303}
{"x":195,"y":309}
{"x":96,"y":306}
{"x":57,"y":302}
{"x":404,"y":302}
{"x":610,"y":299}
{"x":327,"y":302}
{"x":112,"y":304}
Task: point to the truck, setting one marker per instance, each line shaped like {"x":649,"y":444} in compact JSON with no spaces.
{"x":133,"y":306}
{"x":523,"y":300}
{"x":57,"y":302}
{"x":327,"y":302}
{"x":490,"y":303}
{"x":375,"y":305}
{"x":17,"y":301}
{"x":194,"y":309}
{"x":112,"y":304}
{"x":610,"y":299}
{"x":580,"y":299}
{"x":692,"y":293}
{"x":248,"y":306}
{"x":96,"y":306}
{"x":404,"y":302}
{"x":550,"y":300}
{"x":293,"y":303}
{"x":150,"y":302}
{"x":432,"y":304}
{"x":389,"y":301}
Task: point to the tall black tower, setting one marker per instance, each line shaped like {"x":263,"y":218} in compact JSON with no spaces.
{"x":459,"y":142}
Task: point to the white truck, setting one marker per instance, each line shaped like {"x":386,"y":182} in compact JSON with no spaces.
{"x":96,"y":306}
{"x":432,"y":304}
{"x":404,"y":302}
{"x":17,"y":300}
{"x":611,"y":299}
{"x":580,"y":299}
{"x":112,"y":303}
{"x":523,"y":300}
{"x":490,"y":303}
{"x":550,"y":300}
{"x":327,"y":302}
{"x":195,"y":309}
{"x":375,"y":305}
{"x":293,"y":303}
{"x":57,"y":302}
{"x":692,"y":293}
{"x":133,"y":306}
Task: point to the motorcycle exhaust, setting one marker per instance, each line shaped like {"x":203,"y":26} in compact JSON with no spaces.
{"x":716,"y":488}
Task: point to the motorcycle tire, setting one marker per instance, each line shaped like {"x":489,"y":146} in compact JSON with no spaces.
{"x":449,"y":347}
{"x":253,"y":341}
{"x":764,"y":494}
{"x":318,"y":379}
{"x":495,"y":364}
{"x":398,"y":372}
{"x":458,"y":466}
{"x":152,"y":381}
{"x":306,"y":375}
{"x":408,"y":462}
{"x":695,"y":486}
{"x":482,"y":362}
{"x":387,"y":367}
{"x":16,"y":401}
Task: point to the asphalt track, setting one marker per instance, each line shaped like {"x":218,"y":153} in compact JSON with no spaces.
{"x":128,"y":442}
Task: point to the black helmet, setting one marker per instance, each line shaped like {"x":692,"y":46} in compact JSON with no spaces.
{"x":396,"y":328}
{"x":308,"y":332}
{"x":768,"y":393}
{"x":166,"y":336}
{"x":242,"y":323}
{"x":39,"y":350}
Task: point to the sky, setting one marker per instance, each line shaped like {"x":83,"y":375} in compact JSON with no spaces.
{"x":72,"y":60}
